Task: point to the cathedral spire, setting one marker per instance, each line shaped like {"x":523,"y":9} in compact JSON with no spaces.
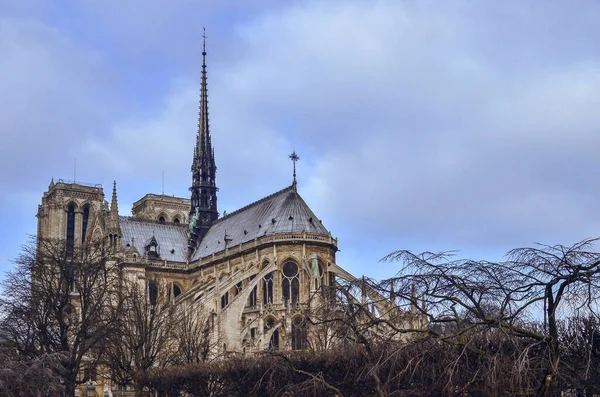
{"x":203,"y":144}
{"x":203,"y":209}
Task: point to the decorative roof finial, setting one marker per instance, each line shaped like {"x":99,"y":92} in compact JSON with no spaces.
{"x":294,"y":157}
{"x":114,"y":206}
{"x":204,"y":47}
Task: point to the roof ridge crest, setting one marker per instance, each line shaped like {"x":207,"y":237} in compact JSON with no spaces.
{"x":259,"y":201}
{"x":149,"y":221}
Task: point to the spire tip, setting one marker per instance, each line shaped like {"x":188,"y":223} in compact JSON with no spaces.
{"x":204,"y":44}
{"x":294,"y":157}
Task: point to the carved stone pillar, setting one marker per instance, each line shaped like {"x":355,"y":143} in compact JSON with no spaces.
{"x":261,"y":326}
{"x":277,"y":287}
{"x":259,"y":293}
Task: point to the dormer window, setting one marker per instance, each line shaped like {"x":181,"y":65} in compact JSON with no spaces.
{"x":151,"y":247}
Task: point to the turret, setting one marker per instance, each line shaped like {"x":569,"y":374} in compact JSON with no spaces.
{"x":114,"y":227}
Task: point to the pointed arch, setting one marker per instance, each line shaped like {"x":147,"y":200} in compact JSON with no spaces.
{"x":175,"y":289}
{"x":290,"y":282}
{"x":299,"y":332}
{"x":162,"y":218}
{"x":96,"y":234}
{"x":73,"y":203}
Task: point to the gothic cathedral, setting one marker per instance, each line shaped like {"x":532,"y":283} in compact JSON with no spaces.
{"x":252,"y":272}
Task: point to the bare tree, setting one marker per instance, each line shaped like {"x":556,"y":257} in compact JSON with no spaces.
{"x":30,"y":377}
{"x":580,"y":353}
{"x":60,"y":300}
{"x":461,"y":298}
{"x":192,"y":336}
{"x":145,"y":324}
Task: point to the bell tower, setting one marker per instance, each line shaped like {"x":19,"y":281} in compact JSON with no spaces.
{"x":203,"y":208}
{"x":72,"y":212}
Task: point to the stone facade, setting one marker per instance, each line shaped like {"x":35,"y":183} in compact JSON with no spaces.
{"x":162,"y":208}
{"x":255,"y":291}
{"x":253,"y":272}
{"x":254,"y":288}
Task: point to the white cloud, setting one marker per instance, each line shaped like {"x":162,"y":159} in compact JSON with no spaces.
{"x":419,"y":121}
{"x":431,"y":123}
{"x":439,"y":125}
{"x":51,"y":98}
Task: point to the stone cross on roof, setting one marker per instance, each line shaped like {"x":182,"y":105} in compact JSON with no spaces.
{"x":294,"y":157}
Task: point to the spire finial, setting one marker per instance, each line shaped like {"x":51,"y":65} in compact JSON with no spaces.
{"x":294,"y":157}
{"x":204,"y":47}
{"x":203,"y":144}
{"x":114,"y":225}
{"x":114,"y":206}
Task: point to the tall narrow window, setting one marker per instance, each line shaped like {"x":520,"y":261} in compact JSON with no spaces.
{"x":285,"y":290}
{"x":84,"y":224}
{"x":295,"y":290}
{"x":174,"y":291}
{"x":252,"y":297}
{"x":204,"y":199}
{"x":153,"y":293}
{"x":268,"y":288}
{"x":70,"y":229}
{"x":299,"y":334}
{"x":274,"y":341}
{"x":290,"y":285}
{"x":224,"y":300}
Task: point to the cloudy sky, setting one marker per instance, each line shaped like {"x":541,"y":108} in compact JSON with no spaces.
{"x":421,"y":125}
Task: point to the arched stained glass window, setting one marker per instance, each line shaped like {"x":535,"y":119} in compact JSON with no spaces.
{"x":268,"y":288}
{"x":290,"y":283}
{"x":299,"y":333}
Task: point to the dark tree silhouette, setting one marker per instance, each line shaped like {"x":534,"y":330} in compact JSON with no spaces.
{"x":144,"y":331}
{"x":60,"y":300}
{"x":465,"y":297}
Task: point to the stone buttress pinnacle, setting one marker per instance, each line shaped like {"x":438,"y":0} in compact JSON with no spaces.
{"x":114,"y":206}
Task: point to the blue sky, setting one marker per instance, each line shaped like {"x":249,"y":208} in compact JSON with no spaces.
{"x":421,"y":125}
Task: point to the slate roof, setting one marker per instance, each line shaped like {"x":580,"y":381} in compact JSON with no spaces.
{"x":169,"y":237}
{"x":282,"y":212}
